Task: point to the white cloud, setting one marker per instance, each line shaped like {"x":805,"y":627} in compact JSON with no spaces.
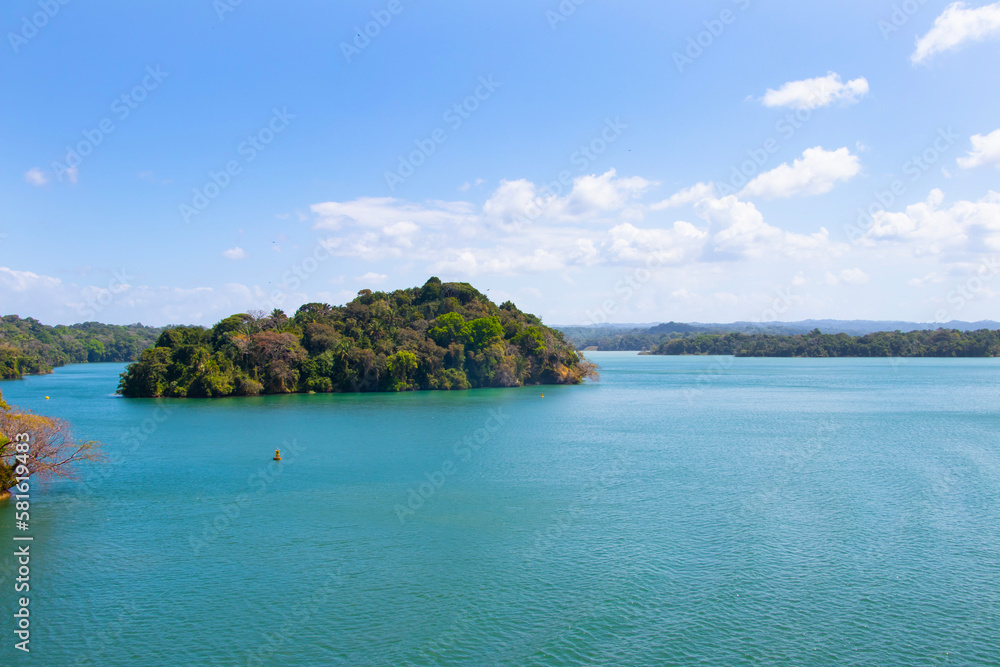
{"x":234,"y":253}
{"x":847,"y":276}
{"x":928,"y":229}
{"x":743,"y":234}
{"x":596,"y":195}
{"x":817,"y":172}
{"x":465,"y":187}
{"x":72,"y":173}
{"x":985,"y":151}
{"x":816,"y":93}
{"x":380,"y":212}
{"x":36,"y":177}
{"x":958,"y":25}
{"x":498,"y":261}
{"x":24,"y":281}
{"x":933,"y":277}
{"x":524,"y":229}
{"x":372,"y":278}
{"x":521,"y":202}
{"x":695,"y":193}
{"x":682,"y":243}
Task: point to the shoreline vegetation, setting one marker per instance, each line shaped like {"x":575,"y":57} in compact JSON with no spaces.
{"x":922,"y":343}
{"x":440,"y":336}
{"x":37,"y":447}
{"x":28,"y":347}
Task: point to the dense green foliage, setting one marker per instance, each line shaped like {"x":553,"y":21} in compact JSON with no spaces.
{"x":924,"y":343}
{"x":27,"y":346}
{"x":439,"y":336}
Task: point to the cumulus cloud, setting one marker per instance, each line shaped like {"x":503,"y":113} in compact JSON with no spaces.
{"x":847,"y":276}
{"x":234,"y":253}
{"x":957,"y":26}
{"x":927,"y":228}
{"x":816,"y":93}
{"x":523,"y":228}
{"x":468,"y":185}
{"x":382,"y":212}
{"x":695,"y":193}
{"x":743,"y":233}
{"x":592,"y":196}
{"x":932,"y":278}
{"x":815,"y":173}
{"x":682,"y":242}
{"x":985,"y":151}
{"x":24,"y":281}
{"x":36,"y":177}
{"x":372,"y":278}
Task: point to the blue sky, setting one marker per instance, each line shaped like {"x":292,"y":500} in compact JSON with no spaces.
{"x":629,"y":161}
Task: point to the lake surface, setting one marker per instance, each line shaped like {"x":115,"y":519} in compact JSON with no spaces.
{"x":684,"y":510}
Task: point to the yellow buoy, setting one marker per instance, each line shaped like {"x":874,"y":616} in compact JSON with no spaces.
{"x":543,"y":395}
{"x":46,"y":398}
{"x":277,"y":455}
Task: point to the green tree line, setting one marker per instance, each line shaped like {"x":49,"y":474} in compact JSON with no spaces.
{"x":928,"y":343}
{"x":28,"y":347}
{"x":439,"y":336}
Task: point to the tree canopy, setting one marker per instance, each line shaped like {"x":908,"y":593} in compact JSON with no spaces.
{"x":29,"y":347}
{"x":438,"y":336}
{"x":51,"y":452}
{"x":924,"y":343}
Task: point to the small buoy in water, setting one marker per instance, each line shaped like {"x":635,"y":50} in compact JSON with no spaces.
{"x":543,"y":395}
{"x":46,"y":398}
{"x":277,"y":455}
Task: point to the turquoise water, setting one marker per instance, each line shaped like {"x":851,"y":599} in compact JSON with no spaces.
{"x":683,"y":511}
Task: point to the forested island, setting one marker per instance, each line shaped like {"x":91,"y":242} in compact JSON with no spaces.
{"x":29,"y":347}
{"x":439,"y":336}
{"x":924,"y":343}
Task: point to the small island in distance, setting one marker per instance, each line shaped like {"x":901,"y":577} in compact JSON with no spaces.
{"x":439,"y":336}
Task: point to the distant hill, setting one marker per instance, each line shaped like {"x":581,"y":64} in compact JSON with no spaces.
{"x":27,"y":346}
{"x":915,"y":343}
{"x":638,"y":337}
